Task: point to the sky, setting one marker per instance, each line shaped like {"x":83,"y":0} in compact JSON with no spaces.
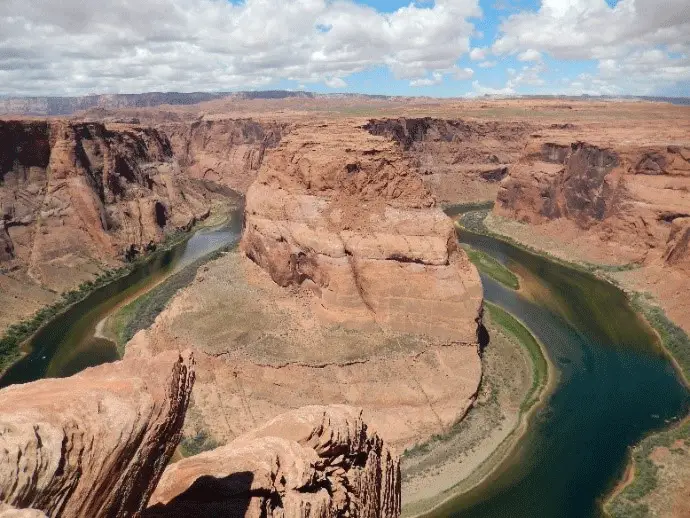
{"x":444,"y":48}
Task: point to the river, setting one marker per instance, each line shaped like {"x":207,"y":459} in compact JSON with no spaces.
{"x":69,"y":343}
{"x":614,"y":382}
{"x":614,"y":385}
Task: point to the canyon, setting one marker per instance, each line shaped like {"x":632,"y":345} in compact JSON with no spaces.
{"x":349,"y":319}
{"x":78,"y":198}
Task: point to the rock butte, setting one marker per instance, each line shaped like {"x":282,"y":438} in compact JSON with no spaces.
{"x":342,"y":213}
{"x":362,"y":297}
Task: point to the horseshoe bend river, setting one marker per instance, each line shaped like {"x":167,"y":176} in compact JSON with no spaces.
{"x":614,"y":383}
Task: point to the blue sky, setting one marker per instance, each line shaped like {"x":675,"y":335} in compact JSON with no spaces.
{"x":414,"y":47}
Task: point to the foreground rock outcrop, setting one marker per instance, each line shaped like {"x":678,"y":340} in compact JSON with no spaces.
{"x":94,"y":444}
{"x":315,"y":461}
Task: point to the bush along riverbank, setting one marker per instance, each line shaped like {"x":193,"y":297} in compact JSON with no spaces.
{"x":16,"y":334}
{"x":491,"y":267}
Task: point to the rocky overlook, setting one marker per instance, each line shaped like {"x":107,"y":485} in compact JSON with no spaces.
{"x":314,"y":461}
{"x":97,"y":444}
{"x":94,"y":444}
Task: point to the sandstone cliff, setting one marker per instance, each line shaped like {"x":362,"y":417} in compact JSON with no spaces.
{"x":77,"y":196}
{"x":226,"y":151}
{"x":342,"y":213}
{"x":315,"y":461}
{"x":617,"y":201}
{"x":94,"y":444}
{"x":635,"y":195}
{"x":460,"y":160}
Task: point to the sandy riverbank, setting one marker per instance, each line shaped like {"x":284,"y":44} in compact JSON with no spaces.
{"x":451,"y":465}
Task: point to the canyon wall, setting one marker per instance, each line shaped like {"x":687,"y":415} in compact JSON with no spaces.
{"x":637,"y":196}
{"x":226,"y":151}
{"x":75,"y":197}
{"x":459,"y":160}
{"x":618,"y":201}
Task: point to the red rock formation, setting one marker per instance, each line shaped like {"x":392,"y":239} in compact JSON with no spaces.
{"x":631,"y":194}
{"x":580,"y":182}
{"x":341,"y":211}
{"x":75,"y":197}
{"x":94,"y":444}
{"x":460,"y":161}
{"x":315,"y":461}
{"x":226,"y":151}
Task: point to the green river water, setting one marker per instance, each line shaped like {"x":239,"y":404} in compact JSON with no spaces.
{"x":614,"y":385}
{"x":67,"y":345}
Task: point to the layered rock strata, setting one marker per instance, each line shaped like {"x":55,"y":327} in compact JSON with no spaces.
{"x":94,"y":444}
{"x":315,"y":461}
{"x":638,"y":196}
{"x":460,"y":160}
{"x":342,"y":213}
{"x":226,"y":151}
{"x":75,"y":197}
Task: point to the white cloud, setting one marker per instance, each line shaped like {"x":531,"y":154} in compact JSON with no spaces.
{"x":78,"y":46}
{"x":630,"y":40}
{"x":459,"y":74}
{"x":335,"y":82}
{"x":435,"y":79}
{"x":478,"y":54}
{"x":462,"y":74}
{"x":529,"y":55}
{"x":479,"y":89}
{"x":487,"y":64}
